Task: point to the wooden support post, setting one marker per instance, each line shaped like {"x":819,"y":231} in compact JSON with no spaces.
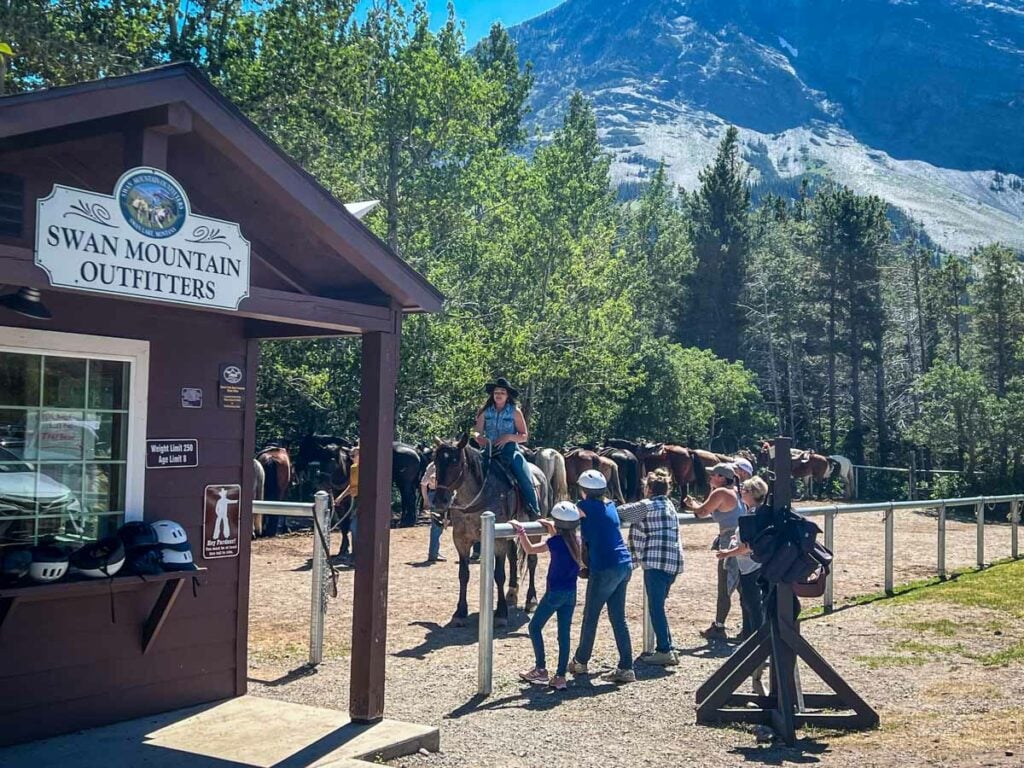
{"x":370,"y":598}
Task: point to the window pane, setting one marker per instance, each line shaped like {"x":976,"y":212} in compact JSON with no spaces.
{"x":108,"y":385}
{"x":111,"y":436}
{"x":17,"y":489}
{"x":16,"y":532}
{"x":64,"y":382}
{"x":13,"y":426}
{"x":19,"y":379}
{"x":104,"y":488}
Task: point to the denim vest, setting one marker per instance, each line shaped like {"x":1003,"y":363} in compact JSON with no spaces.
{"x":498,"y":423}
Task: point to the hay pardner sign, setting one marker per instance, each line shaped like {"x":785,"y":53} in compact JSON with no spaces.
{"x":143,"y":241}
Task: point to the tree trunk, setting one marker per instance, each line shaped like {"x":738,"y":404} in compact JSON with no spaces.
{"x":392,"y":192}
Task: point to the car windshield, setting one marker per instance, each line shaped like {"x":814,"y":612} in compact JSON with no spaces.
{"x":11,"y":462}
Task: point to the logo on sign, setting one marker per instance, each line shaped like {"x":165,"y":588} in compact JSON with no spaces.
{"x":233,"y":374}
{"x":152,"y":203}
{"x":143,"y":241}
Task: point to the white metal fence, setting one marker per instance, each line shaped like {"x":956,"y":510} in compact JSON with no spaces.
{"x":491,"y":531}
{"x":320,"y":512}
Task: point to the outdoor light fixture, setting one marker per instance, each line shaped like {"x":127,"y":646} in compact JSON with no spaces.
{"x":28,"y":302}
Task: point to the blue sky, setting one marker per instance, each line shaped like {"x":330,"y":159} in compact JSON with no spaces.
{"x":480,"y":14}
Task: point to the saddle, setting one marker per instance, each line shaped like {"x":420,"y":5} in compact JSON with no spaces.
{"x":786,"y":546}
{"x":503,"y":464}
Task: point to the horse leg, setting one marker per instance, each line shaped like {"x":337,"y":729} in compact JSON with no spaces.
{"x":407,"y":492}
{"x":257,"y":526}
{"x":501,"y":613}
{"x":346,"y":529}
{"x":462,"y":610}
{"x":531,"y":592}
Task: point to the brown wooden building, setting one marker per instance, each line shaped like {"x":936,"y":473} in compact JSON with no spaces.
{"x":155,"y":305}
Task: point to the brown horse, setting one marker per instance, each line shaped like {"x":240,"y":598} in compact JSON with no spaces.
{"x":279,"y":475}
{"x":805,"y":465}
{"x":579,"y":460}
{"x":685,"y":467}
{"x":460,"y":470}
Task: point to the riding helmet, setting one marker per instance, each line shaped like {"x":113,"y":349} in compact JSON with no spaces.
{"x":49,"y":563}
{"x":566,"y":515}
{"x":101,"y":559}
{"x":592,"y":480}
{"x":14,"y":564}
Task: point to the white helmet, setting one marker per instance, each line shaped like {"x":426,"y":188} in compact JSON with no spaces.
{"x":565,"y":515}
{"x":177,"y":560}
{"x":49,"y":563}
{"x":169,"y":533}
{"x":592,"y":480}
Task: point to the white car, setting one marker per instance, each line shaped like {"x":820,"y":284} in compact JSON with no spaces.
{"x":21,"y":489}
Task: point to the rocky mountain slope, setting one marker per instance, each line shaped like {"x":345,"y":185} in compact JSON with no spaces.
{"x":918,"y":101}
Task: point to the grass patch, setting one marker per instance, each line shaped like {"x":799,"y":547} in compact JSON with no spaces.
{"x":882,"y":661}
{"x":998,"y":587}
{"x":1011,"y":655}
{"x":941,"y":627}
{"x":916,"y":646}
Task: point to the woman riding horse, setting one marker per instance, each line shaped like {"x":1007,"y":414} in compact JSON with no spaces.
{"x":501,"y":427}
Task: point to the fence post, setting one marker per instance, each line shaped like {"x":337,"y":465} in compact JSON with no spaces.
{"x":855,"y":494}
{"x":890,"y":519}
{"x":979,"y":514}
{"x":912,"y":482}
{"x":1014,"y":525}
{"x":830,"y":545}
{"x":485,"y":652}
{"x":942,"y":541}
{"x":318,"y":596}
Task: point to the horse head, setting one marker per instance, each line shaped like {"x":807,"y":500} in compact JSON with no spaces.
{"x":451,"y":463}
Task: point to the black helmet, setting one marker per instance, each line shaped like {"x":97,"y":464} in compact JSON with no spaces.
{"x":14,"y":564}
{"x":137,"y":535}
{"x":100,"y":559}
{"x":49,"y":563}
{"x":143,"y":562}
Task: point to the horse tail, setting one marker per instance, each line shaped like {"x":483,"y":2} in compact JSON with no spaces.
{"x":521,"y":564}
{"x":845,"y":469}
{"x":559,"y":483}
{"x":614,"y":486}
{"x":272,"y":488}
{"x":259,"y":479}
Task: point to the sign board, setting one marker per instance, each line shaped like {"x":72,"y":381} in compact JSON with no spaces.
{"x":172,"y":453}
{"x":191,"y":397}
{"x":143,"y":241}
{"x":221,"y":515}
{"x":231,"y":386}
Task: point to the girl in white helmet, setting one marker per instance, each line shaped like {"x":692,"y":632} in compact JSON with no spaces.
{"x":563,"y":544}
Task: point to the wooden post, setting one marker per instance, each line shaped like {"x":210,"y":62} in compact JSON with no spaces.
{"x":370,"y":598}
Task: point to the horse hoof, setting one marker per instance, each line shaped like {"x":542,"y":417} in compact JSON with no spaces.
{"x":501,"y":621}
{"x":531,"y":606}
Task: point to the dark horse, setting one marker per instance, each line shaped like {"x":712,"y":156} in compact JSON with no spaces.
{"x":629,"y":470}
{"x":279,"y":475}
{"x":406,"y":470}
{"x":324,"y":463}
{"x":684,"y":465}
{"x":460,"y":470}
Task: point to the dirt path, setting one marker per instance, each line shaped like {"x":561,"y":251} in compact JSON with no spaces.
{"x":937,"y":708}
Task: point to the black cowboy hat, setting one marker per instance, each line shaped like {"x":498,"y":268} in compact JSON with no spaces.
{"x":502,"y":383}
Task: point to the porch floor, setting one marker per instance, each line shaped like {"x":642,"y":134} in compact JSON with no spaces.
{"x":247,"y":732}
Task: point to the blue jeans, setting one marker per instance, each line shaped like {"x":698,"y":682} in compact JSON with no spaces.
{"x":562,"y":603}
{"x":435,"y":541}
{"x":607,"y":587}
{"x":521,"y":468}
{"x":658,"y":583}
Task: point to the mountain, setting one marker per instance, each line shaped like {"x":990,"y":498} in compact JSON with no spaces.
{"x":918,"y":101}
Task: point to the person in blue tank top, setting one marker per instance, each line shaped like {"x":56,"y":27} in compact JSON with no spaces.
{"x":610,"y":568}
{"x":560,"y":599}
{"x":501,"y":427}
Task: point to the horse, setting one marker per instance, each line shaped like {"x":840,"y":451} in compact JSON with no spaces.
{"x":460,"y":471}
{"x":579,"y":460}
{"x":325,"y":464}
{"x":683,"y":465}
{"x":804,"y":464}
{"x":279,"y":475}
{"x":629,"y":470}
{"x":552,"y":465}
{"x":406,"y":470}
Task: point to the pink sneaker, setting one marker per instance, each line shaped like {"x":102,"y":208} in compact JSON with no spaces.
{"x":558,"y":683}
{"x":535,"y":676}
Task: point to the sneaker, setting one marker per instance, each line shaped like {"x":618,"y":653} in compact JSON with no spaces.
{"x":620,"y":676}
{"x":437,"y":559}
{"x":714,"y":632}
{"x":578,"y":667}
{"x":558,"y":683}
{"x":535,"y":676}
{"x":662,"y":659}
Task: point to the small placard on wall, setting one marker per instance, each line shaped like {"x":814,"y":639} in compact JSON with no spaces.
{"x":231,"y":387}
{"x":221,"y":519}
{"x":191,"y":397}
{"x":172,"y":453}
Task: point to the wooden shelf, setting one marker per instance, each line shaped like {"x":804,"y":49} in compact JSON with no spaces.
{"x":12,"y":597}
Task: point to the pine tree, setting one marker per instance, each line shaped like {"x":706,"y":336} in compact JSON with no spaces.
{"x":720,"y":210}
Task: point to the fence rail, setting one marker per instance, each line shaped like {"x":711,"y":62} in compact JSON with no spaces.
{"x":490,"y":531}
{"x":320,"y":512}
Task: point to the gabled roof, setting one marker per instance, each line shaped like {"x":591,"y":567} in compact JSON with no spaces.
{"x":221,"y":121}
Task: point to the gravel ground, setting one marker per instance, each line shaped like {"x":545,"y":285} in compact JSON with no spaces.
{"x":938,"y":708}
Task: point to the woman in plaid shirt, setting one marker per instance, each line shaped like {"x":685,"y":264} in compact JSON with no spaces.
{"x":654,"y":545}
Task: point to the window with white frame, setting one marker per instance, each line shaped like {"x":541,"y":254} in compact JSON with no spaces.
{"x":72,"y":417}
